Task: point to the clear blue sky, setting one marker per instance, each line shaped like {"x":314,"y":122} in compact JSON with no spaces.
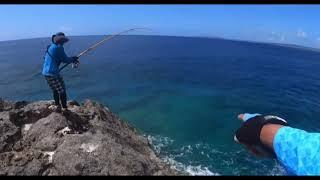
{"x":297,"y":24}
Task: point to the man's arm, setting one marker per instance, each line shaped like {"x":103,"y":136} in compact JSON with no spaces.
{"x":64,"y":58}
{"x":297,"y":150}
{"x":267,"y":134}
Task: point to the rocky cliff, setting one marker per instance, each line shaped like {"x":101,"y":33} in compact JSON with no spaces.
{"x":89,"y":140}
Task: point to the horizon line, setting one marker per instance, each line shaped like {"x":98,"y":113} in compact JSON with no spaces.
{"x":290,"y":45}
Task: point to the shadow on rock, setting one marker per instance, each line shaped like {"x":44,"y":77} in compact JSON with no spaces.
{"x":77,"y":123}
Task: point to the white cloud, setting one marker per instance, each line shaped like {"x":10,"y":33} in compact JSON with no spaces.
{"x":65,"y":28}
{"x":276,"y":36}
{"x":301,"y":34}
{"x":270,"y":38}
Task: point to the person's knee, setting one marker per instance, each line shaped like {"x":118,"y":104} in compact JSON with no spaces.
{"x":63,"y":94}
{"x":61,"y":91}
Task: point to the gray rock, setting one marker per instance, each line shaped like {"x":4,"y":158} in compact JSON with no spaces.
{"x":9,"y":133}
{"x":73,"y":103}
{"x":88,"y":140}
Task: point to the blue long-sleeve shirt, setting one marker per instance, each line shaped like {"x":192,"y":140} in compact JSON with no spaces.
{"x":53,"y":58}
{"x":297,"y":150}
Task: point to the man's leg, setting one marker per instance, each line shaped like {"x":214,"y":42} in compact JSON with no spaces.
{"x":63,"y":97}
{"x":52,"y":84}
{"x":56,"y":98}
{"x":62,"y":93}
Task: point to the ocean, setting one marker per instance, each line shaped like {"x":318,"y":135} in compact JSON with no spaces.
{"x":182,"y":93}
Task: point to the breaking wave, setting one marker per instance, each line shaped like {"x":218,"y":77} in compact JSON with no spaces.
{"x":182,"y":159}
{"x":159,"y":143}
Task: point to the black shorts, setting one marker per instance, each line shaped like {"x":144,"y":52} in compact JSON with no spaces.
{"x":56,"y":83}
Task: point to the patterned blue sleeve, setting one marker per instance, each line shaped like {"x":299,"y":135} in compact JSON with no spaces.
{"x":298,"y":150}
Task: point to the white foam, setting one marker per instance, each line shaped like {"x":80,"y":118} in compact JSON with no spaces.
{"x":277,"y":170}
{"x":160,"y":142}
{"x":200,"y":171}
{"x":187,"y":149}
{"x":192,"y":170}
{"x":50,"y":154}
{"x":89,"y":147}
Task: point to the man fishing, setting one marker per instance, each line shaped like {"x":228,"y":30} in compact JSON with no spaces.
{"x":297,"y":150}
{"x":55,"y":55}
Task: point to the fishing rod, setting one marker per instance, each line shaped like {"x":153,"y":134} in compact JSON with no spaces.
{"x":100,"y":42}
{"x":82,"y":53}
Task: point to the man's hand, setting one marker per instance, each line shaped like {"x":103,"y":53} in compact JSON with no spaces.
{"x":251,"y":148}
{"x":257,"y":132}
{"x":75,"y":62}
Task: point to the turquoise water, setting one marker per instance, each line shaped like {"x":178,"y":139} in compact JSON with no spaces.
{"x":184,"y":94}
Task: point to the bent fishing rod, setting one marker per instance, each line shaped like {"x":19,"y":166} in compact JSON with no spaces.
{"x":100,"y":42}
{"x":83,"y":52}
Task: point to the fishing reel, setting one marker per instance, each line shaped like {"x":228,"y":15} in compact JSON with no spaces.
{"x":75,"y":65}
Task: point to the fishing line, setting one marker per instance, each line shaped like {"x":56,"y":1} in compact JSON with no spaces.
{"x":100,"y":42}
{"x":82,"y":53}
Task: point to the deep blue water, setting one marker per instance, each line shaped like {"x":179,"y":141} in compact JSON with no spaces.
{"x":183,"y":93}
